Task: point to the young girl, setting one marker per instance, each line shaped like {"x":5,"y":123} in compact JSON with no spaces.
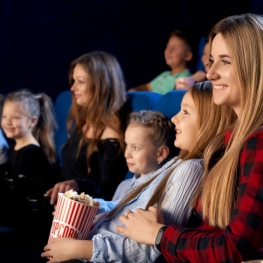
{"x":149,"y":140}
{"x":230,"y":202}
{"x":171,"y":188}
{"x":28,"y":120}
{"x":93,"y":157}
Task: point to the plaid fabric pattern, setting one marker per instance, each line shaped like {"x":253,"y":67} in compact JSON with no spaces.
{"x":243,"y":238}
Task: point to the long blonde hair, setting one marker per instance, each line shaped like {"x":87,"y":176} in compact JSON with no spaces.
{"x":202,"y":95}
{"x":243,"y":35}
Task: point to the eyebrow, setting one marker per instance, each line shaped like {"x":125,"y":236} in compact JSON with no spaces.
{"x":220,"y":56}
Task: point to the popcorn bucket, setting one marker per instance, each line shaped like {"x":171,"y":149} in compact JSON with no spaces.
{"x":71,"y":219}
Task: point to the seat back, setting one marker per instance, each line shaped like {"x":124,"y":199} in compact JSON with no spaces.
{"x":143,"y":100}
{"x":170,"y":103}
{"x":61,"y":107}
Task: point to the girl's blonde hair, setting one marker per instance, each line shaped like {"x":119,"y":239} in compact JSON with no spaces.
{"x":40,"y":106}
{"x":243,"y":35}
{"x":107,"y":95}
{"x":202,"y":95}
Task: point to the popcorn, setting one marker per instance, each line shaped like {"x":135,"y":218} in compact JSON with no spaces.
{"x":73,"y":216}
{"x":82,"y":198}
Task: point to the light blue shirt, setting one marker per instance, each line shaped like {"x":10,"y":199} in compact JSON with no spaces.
{"x":126,"y":186}
{"x":165,"y":82}
{"x":110,"y":246}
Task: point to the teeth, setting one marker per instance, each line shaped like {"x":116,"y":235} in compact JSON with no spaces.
{"x":219,"y":87}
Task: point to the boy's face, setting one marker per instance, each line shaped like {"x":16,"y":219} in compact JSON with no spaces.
{"x":177,"y":53}
{"x":141,"y":154}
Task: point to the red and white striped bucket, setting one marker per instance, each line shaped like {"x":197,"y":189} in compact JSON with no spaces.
{"x":71,"y":219}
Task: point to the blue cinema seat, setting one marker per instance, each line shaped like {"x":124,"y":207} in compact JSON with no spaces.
{"x":170,"y":103}
{"x":61,"y":107}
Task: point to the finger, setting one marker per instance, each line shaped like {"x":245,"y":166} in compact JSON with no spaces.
{"x":120,"y":229}
{"x":123,"y":219}
{"x":152,"y":208}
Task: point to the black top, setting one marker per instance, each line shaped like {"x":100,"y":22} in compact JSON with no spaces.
{"x":30,"y":169}
{"x":107,"y":166}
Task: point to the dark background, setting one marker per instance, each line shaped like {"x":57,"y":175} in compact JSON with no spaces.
{"x":39,"y":38}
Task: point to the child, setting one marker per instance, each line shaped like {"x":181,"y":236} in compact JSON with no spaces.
{"x":171,"y":188}
{"x":177,"y":53}
{"x":28,"y":120}
{"x":148,"y":147}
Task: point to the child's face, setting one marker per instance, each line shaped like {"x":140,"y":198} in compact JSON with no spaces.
{"x":176,"y":53}
{"x":80,"y":87}
{"x":15,"y":123}
{"x":141,"y":154}
{"x":186,"y":124}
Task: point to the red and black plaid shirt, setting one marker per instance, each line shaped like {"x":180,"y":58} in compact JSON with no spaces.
{"x":243,"y":238}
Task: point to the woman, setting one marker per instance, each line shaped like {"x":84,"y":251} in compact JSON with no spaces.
{"x":230,"y":199}
{"x":93,"y":157}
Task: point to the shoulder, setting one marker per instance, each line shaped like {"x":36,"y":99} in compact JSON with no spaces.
{"x":189,"y":168}
{"x":110,"y":133}
{"x":255,"y":140}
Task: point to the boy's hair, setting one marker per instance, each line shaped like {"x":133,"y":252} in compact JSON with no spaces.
{"x":161,"y":129}
{"x":39,"y":106}
{"x":184,"y":36}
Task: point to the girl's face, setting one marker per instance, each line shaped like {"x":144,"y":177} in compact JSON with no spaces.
{"x":176,"y":52}
{"x":141,"y":154}
{"x":223,"y":75}
{"x":80,"y":87}
{"x":15,"y":122}
{"x":186,"y":124}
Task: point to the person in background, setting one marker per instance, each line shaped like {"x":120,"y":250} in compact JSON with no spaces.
{"x":229,"y":202}
{"x":200,"y":75}
{"x":171,"y":188}
{"x":178,"y":53}
{"x":93,"y":156}
{"x":147,"y":148}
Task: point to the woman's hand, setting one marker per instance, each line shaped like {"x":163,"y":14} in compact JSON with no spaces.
{"x":141,"y":225}
{"x":61,"y":187}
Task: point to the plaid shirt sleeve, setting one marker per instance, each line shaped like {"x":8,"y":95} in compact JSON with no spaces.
{"x":243,"y":237}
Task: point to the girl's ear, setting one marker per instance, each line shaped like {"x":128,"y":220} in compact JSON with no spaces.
{"x":162,"y":154}
{"x":34,"y":121}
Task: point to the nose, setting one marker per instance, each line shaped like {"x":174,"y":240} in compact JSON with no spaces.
{"x":127,"y":153}
{"x":174,"y":119}
{"x":212,"y":74}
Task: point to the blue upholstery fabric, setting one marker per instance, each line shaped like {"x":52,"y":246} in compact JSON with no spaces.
{"x":143,"y":100}
{"x":170,"y":103}
{"x":61,"y":106}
